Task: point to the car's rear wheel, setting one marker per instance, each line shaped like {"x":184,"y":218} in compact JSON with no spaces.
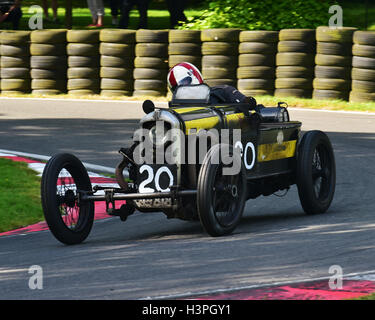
{"x":69,"y":219}
{"x":220,"y":198}
{"x":316,"y":172}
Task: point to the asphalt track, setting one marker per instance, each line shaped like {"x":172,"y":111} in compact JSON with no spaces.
{"x":150,"y":256}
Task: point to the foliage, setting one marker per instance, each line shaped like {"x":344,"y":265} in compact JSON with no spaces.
{"x":262,"y":14}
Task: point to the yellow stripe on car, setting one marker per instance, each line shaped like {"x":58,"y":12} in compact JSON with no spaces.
{"x":199,"y":124}
{"x":276,"y":151}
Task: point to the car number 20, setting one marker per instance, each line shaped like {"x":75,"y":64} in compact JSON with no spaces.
{"x":156,"y":179}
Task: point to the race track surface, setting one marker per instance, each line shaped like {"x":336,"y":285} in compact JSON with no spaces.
{"x":150,"y":256}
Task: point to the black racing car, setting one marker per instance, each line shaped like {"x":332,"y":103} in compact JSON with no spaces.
{"x":196,"y":161}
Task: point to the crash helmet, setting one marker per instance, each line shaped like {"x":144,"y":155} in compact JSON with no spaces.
{"x":183,"y":74}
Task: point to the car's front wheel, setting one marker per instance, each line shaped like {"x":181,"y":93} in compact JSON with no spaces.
{"x":69,"y":219}
{"x":316,"y":172}
{"x":221,"y":198}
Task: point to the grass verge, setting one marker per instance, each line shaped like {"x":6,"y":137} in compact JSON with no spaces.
{"x":369,"y":297}
{"x":20,"y":203}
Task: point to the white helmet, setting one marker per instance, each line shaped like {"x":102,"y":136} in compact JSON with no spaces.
{"x":183,"y":73}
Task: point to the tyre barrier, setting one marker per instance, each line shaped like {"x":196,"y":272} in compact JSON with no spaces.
{"x":333,"y":63}
{"x":329,"y":63}
{"x":48,"y":61}
{"x":220,"y":56}
{"x":83,"y":62}
{"x":15,"y":62}
{"x":257,"y":57}
{"x":117,"y":50}
{"x":363,"y":71}
{"x":295,"y":63}
{"x":151,"y":63}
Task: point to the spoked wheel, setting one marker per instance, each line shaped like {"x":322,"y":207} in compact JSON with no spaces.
{"x":69,"y":219}
{"x":316,"y":172}
{"x":220,"y":198}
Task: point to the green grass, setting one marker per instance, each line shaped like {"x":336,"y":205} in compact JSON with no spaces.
{"x":319,"y":104}
{"x":20,"y":203}
{"x":369,"y":297}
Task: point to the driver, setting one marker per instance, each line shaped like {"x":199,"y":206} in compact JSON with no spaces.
{"x":186,"y":73}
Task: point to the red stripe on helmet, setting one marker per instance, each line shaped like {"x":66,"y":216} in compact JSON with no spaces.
{"x":172,"y":79}
{"x":195,"y":70}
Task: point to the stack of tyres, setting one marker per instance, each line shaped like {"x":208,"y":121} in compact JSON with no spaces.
{"x":220,"y":56}
{"x":363,"y":71}
{"x":151,"y":63}
{"x":83,"y":62}
{"x":257,"y":55}
{"x":117,"y":49}
{"x":48,"y":61}
{"x":333,"y":63}
{"x":295,"y":63}
{"x":185,"y":46}
{"x":15,"y":62}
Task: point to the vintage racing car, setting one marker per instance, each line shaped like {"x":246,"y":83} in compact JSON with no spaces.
{"x":211,"y":160}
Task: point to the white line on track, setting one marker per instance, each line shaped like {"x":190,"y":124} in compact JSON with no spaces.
{"x":89,"y":166}
{"x":366,"y":275}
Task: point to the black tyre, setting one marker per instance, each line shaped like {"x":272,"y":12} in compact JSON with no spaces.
{"x":151,"y":49}
{"x":306,"y":35}
{"x":177,"y":48}
{"x":316,"y":172}
{"x":331,"y":84}
{"x":256,"y":59}
{"x":178,"y":58}
{"x":339,"y":35}
{"x":257,"y":47}
{"x":83,"y":36}
{"x":330,"y":94}
{"x":292,"y":92}
{"x":328,"y":72}
{"x":250,"y":84}
{"x":259,"y":36}
{"x":220,"y":35}
{"x":363,"y":62}
{"x":294,"y":72}
{"x":117,"y":36}
{"x":151,"y":36}
{"x":364,"y":37}
{"x":256,"y":72}
{"x":293,"y":83}
{"x":48,"y":36}
{"x":333,"y":60}
{"x":82,"y":49}
{"x":219,"y":48}
{"x":69,"y":221}
{"x":334,"y":48}
{"x":363,"y":50}
{"x":220,"y":198}
{"x":294,"y":59}
{"x":296,"y":46}
{"x":184,"y":36}
{"x":117,"y":49}
{"x":143,"y":62}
